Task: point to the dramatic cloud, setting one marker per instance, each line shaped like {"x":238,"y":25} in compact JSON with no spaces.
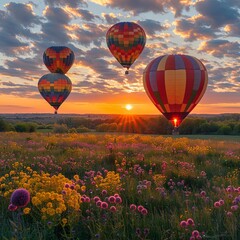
{"x":192,"y":29}
{"x":221,"y":48}
{"x":151,"y":27}
{"x":15,"y":29}
{"x":218,"y":13}
{"x":110,"y":18}
{"x":22,"y":13}
{"x":54,"y":29}
{"x":143,"y":6}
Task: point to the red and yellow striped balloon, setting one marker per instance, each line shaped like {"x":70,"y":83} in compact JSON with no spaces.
{"x":175,"y":84}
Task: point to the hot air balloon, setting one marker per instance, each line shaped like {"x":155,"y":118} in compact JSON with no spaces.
{"x":175,"y":84}
{"x":126,"y":41}
{"x":55,"y":88}
{"x":58,"y":59}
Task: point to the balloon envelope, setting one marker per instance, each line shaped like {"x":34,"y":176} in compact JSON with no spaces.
{"x":126,"y":41}
{"x":58,"y":59}
{"x":54,"y":88}
{"x":175,"y":84}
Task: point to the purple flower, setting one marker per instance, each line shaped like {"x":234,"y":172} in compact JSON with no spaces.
{"x":20,"y":198}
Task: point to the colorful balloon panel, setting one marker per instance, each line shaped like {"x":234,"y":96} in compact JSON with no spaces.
{"x":175,"y":84}
{"x":126,"y":41}
{"x":54,"y":88}
{"x":58,"y":59}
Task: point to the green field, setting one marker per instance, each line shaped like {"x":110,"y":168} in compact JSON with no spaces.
{"x":120,"y":186}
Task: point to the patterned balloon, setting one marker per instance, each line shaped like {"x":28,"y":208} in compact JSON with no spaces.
{"x":175,"y":84}
{"x":126,"y":41}
{"x":58,"y":59}
{"x":55,"y":88}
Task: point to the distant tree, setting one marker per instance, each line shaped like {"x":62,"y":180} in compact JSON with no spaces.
{"x":225,"y":130}
{"x":60,"y":128}
{"x":21,"y":127}
{"x":3,"y":125}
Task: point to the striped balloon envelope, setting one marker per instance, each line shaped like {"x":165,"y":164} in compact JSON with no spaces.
{"x":175,"y":84}
{"x":126,"y":41}
{"x":58,"y":59}
{"x":54,"y":88}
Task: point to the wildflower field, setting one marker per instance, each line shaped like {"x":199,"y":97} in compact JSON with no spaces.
{"x":99,"y":186}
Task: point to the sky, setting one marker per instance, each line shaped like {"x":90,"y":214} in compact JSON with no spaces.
{"x":206,"y":29}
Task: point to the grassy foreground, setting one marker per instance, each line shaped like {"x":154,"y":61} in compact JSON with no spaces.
{"x":100,"y":186}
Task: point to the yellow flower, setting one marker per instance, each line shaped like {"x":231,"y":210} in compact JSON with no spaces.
{"x":64,"y":221}
{"x":83,"y":188}
{"x":26,"y":210}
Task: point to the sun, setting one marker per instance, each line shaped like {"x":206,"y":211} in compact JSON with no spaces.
{"x":129,"y":107}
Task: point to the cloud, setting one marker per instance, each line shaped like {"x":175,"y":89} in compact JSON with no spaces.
{"x":54,"y":30}
{"x":143,"y":6}
{"x":218,"y":13}
{"x":151,"y":27}
{"x":110,"y":18}
{"x":194,"y":28}
{"x":220,"y":48}
{"x":89,"y":33}
{"x":15,"y":29}
{"x":61,"y":3}
{"x":20,"y":90}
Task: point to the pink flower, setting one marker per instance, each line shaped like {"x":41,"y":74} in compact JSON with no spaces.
{"x":96,"y":199}
{"x":234,"y":207}
{"x":217,"y":204}
{"x":229,"y":214}
{"x":133,"y":207}
{"x":190,"y":222}
{"x":221,"y":202}
{"x":139,"y":208}
{"x":203,"y":193}
{"x":183,"y":224}
{"x":104,"y":192}
{"x":12,"y":207}
{"x":20,"y":197}
{"x":99,"y":203}
{"x":111,"y":199}
{"x":104,"y":205}
{"x":118,"y":199}
{"x":195,"y":233}
{"x":113,"y":209}
{"x":144,"y":211}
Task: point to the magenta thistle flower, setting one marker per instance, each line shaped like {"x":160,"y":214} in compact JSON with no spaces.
{"x":111,"y":199}
{"x":133,"y":207}
{"x":217,"y":204}
{"x":144,"y":211}
{"x":104,"y":205}
{"x":195,"y":233}
{"x":190,"y":222}
{"x":183,"y":224}
{"x":113,"y":209}
{"x":140,"y":208}
{"x":20,"y":198}
{"x":118,"y":199}
{"x":12,"y":207}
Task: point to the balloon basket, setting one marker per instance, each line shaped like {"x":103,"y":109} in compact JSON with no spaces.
{"x":126,"y":72}
{"x":55,"y":112}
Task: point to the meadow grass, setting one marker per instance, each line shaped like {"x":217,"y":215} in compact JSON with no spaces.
{"x":120,"y":186}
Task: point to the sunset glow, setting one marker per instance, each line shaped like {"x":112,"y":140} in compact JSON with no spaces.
{"x":129,"y":107}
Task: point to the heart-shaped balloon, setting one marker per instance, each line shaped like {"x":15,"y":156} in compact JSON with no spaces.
{"x":54,"y":88}
{"x":58,"y":59}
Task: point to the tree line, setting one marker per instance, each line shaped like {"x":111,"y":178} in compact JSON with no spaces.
{"x":228,"y":124}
